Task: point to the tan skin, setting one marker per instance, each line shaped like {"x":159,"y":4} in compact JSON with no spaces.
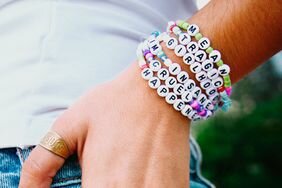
{"x":127,"y":136}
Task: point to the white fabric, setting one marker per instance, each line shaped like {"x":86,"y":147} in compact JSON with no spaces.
{"x":52,"y":51}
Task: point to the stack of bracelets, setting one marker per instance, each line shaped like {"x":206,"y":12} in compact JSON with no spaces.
{"x":173,"y":84}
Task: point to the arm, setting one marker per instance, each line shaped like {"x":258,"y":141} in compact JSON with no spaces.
{"x":127,"y":136}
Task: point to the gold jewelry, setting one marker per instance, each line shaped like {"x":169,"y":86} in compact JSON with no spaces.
{"x":55,"y":144}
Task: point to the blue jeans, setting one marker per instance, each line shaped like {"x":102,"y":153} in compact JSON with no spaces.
{"x":69,"y":176}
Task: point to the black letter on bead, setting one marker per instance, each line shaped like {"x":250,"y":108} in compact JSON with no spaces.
{"x":183,"y":78}
{"x":188,"y":59}
{"x":200,"y":56}
{"x":164,"y":90}
{"x":223,"y":71}
{"x":192,"y":47}
{"x":154,"y":82}
{"x":202,"y":77}
{"x":206,"y":85}
{"x":214,"y":57}
{"x":147,"y":72}
{"x":192,"y":28}
{"x":163,"y":73}
{"x":203,"y":43}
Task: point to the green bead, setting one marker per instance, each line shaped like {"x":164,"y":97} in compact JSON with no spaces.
{"x":198,"y":36}
{"x":185,"y":25}
{"x":219,"y":63}
{"x":226,"y":78}
{"x":209,"y":50}
{"x":180,"y":23}
{"x":227,"y":84}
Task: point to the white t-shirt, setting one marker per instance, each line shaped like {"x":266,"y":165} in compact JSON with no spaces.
{"x":52,"y":51}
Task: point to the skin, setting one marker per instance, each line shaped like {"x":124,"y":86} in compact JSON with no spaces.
{"x":127,"y":136}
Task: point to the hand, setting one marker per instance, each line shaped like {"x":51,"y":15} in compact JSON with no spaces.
{"x":124,"y":135}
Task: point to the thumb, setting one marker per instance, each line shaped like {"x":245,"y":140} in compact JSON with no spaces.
{"x":42,"y":165}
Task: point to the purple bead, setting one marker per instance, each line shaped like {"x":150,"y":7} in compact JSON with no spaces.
{"x":145,"y":52}
{"x":203,"y":113}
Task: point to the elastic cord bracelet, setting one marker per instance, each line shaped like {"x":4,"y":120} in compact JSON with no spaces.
{"x":197,"y":59}
{"x":175,"y":70}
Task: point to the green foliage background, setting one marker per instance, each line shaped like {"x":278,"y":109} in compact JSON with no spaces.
{"x":243,"y":148}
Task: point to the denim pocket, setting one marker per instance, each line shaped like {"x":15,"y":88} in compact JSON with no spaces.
{"x":69,"y":176}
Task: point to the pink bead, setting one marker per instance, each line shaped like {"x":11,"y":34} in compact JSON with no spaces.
{"x":203,"y":113}
{"x":144,"y":66}
{"x":195,"y":105}
{"x":149,"y":55}
{"x":228,"y":91}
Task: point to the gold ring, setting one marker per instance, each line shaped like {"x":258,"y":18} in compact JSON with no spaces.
{"x":55,"y":143}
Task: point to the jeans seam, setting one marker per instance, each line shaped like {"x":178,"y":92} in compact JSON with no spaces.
{"x":19,"y":154}
{"x":67,"y":179}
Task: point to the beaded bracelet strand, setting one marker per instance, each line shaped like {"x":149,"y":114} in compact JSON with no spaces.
{"x":164,"y":58}
{"x":196,"y":49}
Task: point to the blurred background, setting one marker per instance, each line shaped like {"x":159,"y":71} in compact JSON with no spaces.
{"x":243,"y":148}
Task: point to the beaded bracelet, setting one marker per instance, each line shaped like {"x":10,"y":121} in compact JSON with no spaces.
{"x":197,"y":48}
{"x":175,"y":70}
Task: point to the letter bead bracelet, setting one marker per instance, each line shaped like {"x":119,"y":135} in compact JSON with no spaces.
{"x":174,"y":84}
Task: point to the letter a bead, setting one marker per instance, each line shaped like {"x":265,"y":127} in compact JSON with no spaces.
{"x":154,"y":82}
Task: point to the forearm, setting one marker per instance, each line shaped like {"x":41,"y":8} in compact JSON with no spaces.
{"x":246,"y":33}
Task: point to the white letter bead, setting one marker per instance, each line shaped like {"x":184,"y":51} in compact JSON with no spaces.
{"x":167,"y":62}
{"x":180,"y":50}
{"x":155,"y":65}
{"x":178,"y":89}
{"x":178,"y":105}
{"x":218,"y":82}
{"x":211,"y":91}
{"x":215,"y":56}
{"x":174,"y":68}
{"x":193,"y":29}
{"x":196,"y":92}
{"x":154,"y":82}
{"x":202,"y":98}
{"x":214,"y":98}
{"x":163,"y":74}
{"x":182,"y":77}
{"x":196,"y":67}
{"x":155,"y":49}
{"x":188,"y":59}
{"x":171,"y":43}
{"x":204,"y":43}
{"x":184,"y":38}
{"x":224,"y":70}
{"x":213,"y":74}
{"x":187,"y":96}
{"x":170,"y":82}
{"x":176,"y":30}
{"x":201,"y":76}
{"x":190,"y":85}
{"x":162,"y":90}
{"x":170,"y":98}
{"x":186,"y":110}
{"x":206,"y":84}
{"x":200,"y":56}
{"x":192,"y":47}
{"x":208,"y":105}
{"x":147,"y":73}
{"x":207,"y":65}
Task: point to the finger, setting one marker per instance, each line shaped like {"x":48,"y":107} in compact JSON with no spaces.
{"x":41,"y":165}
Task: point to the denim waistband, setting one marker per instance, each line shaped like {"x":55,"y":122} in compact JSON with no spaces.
{"x":69,"y":176}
